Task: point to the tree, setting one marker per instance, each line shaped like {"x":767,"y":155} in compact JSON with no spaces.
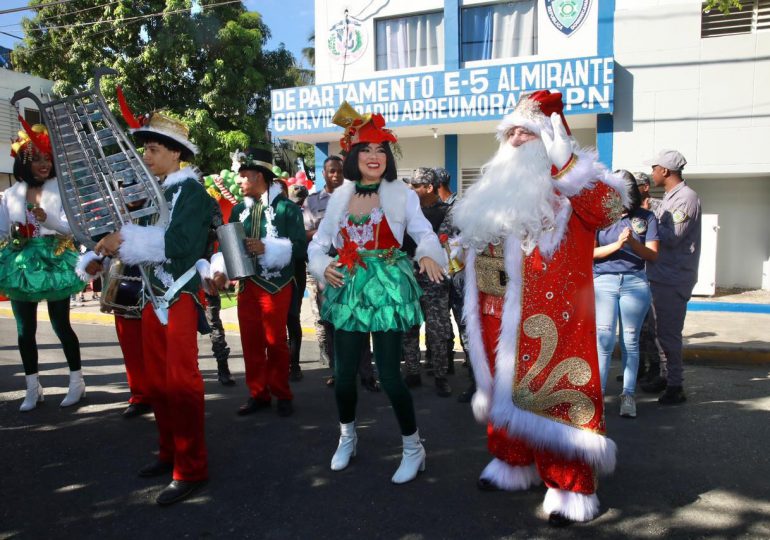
{"x":722,"y":5}
{"x":208,"y":67}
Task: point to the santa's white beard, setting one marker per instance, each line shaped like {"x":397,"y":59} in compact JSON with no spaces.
{"x":514,"y":196}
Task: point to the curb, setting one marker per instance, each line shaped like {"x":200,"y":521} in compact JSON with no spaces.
{"x":723,"y":355}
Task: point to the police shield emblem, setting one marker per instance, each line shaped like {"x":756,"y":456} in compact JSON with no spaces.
{"x":567,"y":15}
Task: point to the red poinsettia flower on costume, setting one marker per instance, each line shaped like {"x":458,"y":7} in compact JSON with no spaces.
{"x":443,"y":238}
{"x":27,"y":230}
{"x":349,"y":257}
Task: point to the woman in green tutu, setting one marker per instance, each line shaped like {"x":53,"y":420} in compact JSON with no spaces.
{"x":38,"y":258}
{"x":369,"y":286}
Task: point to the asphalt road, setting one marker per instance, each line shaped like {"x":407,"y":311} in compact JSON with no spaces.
{"x":694,"y":471}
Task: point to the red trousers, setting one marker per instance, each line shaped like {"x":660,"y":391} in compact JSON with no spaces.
{"x":262,"y":318}
{"x":556,"y":471}
{"x":130,"y":338}
{"x":176,"y":387}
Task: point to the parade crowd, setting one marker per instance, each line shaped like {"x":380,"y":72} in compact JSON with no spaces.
{"x":543,"y":263}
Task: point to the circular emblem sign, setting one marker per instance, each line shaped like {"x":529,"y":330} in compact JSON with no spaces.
{"x":347,"y":41}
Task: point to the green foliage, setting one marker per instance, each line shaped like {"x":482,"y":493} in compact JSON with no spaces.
{"x":722,"y":5}
{"x":210,"y":68}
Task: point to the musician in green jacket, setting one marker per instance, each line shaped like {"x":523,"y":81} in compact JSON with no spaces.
{"x":276,"y":237}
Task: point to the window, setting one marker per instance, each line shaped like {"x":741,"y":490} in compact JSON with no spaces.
{"x":753,"y":16}
{"x":502,"y":30}
{"x":407,"y":42}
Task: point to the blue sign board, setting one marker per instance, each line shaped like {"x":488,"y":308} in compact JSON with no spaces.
{"x":465,"y":95}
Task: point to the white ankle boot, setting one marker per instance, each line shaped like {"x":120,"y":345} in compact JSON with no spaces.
{"x":346,"y":447}
{"x":412,"y":461}
{"x":76,"y":390}
{"x":34,"y":393}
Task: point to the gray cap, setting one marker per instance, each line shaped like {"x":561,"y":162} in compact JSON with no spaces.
{"x":670,"y":159}
{"x":642,"y":179}
{"x":424,"y":175}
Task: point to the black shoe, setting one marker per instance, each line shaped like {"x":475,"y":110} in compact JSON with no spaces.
{"x":295,"y":373}
{"x":224,"y":376}
{"x":136,"y":409}
{"x":371,"y":384}
{"x":673,"y":395}
{"x":467,"y":396}
{"x":654,"y":386}
{"x":557,"y":520}
{"x":485,"y":484}
{"x":285,"y":407}
{"x":413,"y":380}
{"x":253,"y":405}
{"x":157,"y":468}
{"x":178,"y":490}
{"x":442,"y":387}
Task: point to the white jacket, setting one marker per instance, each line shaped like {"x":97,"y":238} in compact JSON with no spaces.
{"x":13,"y":209}
{"x":401,"y":207}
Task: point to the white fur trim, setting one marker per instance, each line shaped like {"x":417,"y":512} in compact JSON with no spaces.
{"x":550,"y":241}
{"x":177,"y":177}
{"x":317,"y":266}
{"x":218,"y":264}
{"x":84,"y":260}
{"x":585,"y":173}
{"x":15,"y":198}
{"x":277,"y":253}
{"x":142,"y":245}
{"x":393,"y":197}
{"x":480,"y":405}
{"x":431,"y":247}
{"x":510,"y":477}
{"x":571,"y":505}
{"x":541,"y":432}
{"x":515,"y":119}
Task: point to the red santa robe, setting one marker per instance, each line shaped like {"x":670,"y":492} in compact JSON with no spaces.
{"x":533,"y":350}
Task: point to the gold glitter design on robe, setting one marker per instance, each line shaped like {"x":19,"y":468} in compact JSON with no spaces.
{"x":489,"y":269}
{"x":614,"y":206}
{"x":580,"y":407}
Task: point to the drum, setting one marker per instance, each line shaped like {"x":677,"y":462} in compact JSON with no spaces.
{"x":122,"y":291}
{"x":238,"y":262}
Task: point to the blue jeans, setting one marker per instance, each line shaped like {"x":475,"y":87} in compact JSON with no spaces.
{"x":626,"y":295}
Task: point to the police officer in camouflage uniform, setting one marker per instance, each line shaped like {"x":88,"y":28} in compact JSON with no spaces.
{"x":435,"y":300}
{"x":674,"y":274}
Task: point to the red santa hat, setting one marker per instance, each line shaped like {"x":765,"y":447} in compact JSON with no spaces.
{"x":533,"y":111}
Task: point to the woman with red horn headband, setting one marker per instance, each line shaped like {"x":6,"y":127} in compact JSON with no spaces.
{"x":370,"y":286}
{"x":38,"y":258}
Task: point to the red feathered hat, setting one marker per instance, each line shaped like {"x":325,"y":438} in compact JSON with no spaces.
{"x":366,"y":128}
{"x":37,"y":135}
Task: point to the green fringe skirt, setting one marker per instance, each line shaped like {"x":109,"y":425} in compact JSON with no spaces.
{"x":35,"y":269}
{"x":382,"y":297}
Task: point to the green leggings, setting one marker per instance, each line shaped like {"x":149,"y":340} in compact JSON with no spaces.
{"x":26,"y":325}
{"x":387,"y":356}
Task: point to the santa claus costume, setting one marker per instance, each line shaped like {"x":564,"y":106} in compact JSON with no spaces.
{"x":529,"y":308}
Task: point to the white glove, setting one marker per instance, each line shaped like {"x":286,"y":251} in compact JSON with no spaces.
{"x":559,"y":147}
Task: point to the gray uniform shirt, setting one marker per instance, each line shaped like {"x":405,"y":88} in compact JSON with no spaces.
{"x":314,"y":209}
{"x":679,"y":230}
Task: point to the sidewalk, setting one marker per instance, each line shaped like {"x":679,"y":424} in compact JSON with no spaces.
{"x":728,"y":329}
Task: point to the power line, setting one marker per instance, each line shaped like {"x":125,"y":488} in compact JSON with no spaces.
{"x":67,"y":13}
{"x":128,"y":19}
{"x":30,"y":8}
{"x":12,"y":35}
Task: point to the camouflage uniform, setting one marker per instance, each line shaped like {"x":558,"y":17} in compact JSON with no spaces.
{"x":438,"y":327}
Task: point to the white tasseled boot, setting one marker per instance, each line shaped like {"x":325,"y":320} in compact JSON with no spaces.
{"x":76,"y":390}
{"x":346,"y":447}
{"x":413,"y":459}
{"x":34,"y":393}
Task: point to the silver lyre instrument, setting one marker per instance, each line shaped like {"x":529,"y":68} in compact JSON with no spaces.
{"x":238,"y":262}
{"x":98,"y":169}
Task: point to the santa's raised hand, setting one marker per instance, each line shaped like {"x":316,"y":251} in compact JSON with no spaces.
{"x":560,"y":146}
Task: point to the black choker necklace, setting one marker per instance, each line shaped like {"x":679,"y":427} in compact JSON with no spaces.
{"x":368,"y":189}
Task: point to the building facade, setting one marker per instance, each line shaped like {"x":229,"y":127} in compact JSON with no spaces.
{"x":636,"y":75}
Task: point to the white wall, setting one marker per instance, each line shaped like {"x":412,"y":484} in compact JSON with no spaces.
{"x":743,"y":241}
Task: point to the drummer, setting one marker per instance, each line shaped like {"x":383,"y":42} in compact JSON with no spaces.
{"x":275,"y":235}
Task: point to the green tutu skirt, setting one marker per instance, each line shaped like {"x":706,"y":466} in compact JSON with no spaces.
{"x":35,"y":269}
{"x":382,"y":297}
